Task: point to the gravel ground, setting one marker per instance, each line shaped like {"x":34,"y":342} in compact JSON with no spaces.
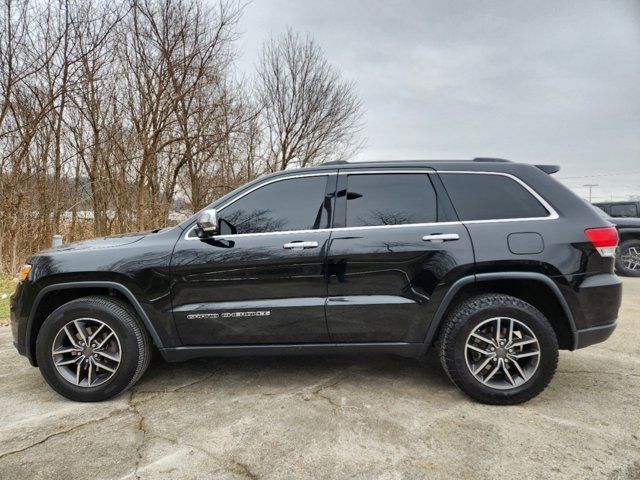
{"x":310,"y":417}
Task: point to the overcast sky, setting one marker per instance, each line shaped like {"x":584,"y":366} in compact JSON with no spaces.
{"x":532,"y":81}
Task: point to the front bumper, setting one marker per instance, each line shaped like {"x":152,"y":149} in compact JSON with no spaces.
{"x":18,"y":319}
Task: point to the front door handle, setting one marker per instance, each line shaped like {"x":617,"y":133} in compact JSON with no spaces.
{"x":441,"y":237}
{"x":300,"y":245}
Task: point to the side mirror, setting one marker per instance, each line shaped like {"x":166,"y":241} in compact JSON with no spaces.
{"x":207,"y":224}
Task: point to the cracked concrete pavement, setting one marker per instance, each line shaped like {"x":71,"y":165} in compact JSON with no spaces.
{"x":334,"y":417}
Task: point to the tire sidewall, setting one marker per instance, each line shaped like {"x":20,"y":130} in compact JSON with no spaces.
{"x":128,"y":345}
{"x":548,"y":354}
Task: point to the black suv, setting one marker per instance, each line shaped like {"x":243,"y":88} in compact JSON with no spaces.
{"x":495,"y":263}
{"x":628,"y":254}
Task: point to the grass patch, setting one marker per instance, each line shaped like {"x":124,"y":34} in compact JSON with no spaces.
{"x":7,"y":286}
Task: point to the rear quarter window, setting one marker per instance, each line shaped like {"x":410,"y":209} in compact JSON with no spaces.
{"x":491,"y":197}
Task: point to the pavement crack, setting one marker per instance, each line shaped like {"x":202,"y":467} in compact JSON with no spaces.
{"x":244,"y":470}
{"x":133,"y":407}
{"x":191,"y":384}
{"x":325,"y":386}
{"x":64,"y":432}
{"x":236,"y":466}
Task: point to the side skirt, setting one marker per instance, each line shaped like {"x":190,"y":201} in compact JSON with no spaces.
{"x":181,"y":354}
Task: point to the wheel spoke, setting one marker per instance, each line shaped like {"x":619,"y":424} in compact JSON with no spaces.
{"x":482,"y":366}
{"x":510,"y":338}
{"x":104,"y":367}
{"x":90,"y":373}
{"x":472,"y":347}
{"x":497,"y":330}
{"x":104,"y":340}
{"x":81,"y":331}
{"x":523,"y":343}
{"x":78,"y":371}
{"x":505,"y":369}
{"x":72,"y":339}
{"x":93,"y":335}
{"x":518,"y":356}
{"x":493,"y":372}
{"x":67,"y":350}
{"x":519,"y":368}
{"x":484,"y":339}
{"x":68,"y":362}
{"x":108,"y":356}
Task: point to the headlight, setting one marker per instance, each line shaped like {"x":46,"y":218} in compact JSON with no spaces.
{"x":24,"y":272}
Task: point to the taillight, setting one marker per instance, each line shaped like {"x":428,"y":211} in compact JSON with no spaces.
{"x":605,"y":240}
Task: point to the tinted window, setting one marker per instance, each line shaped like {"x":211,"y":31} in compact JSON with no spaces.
{"x":626,"y":210}
{"x":488,"y":197}
{"x":296,"y":204}
{"x":390,"y":199}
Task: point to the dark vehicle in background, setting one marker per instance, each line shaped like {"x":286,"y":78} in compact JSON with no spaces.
{"x":628,"y":254}
{"x":495,"y":264}
{"x":620,"y":209}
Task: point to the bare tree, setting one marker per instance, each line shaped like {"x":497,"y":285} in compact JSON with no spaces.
{"x":116,"y":113}
{"x":310,"y":113}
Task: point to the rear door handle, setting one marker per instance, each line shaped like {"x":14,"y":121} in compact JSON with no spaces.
{"x":441,"y":237}
{"x":300,"y":245}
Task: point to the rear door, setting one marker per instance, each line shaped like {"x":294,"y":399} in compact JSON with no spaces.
{"x":395,"y":247}
{"x":262,"y":280}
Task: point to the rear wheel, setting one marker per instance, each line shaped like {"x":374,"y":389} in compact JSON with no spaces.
{"x":499,"y":349}
{"x":92,"y":348}
{"x":628,"y":258}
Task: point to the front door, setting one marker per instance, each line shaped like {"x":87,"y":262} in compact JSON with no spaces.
{"x":395,"y":248}
{"x":262,"y":280}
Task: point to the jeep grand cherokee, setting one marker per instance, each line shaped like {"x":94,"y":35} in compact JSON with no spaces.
{"x":495,"y":264}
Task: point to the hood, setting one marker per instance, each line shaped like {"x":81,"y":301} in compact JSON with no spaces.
{"x":100,"y":242}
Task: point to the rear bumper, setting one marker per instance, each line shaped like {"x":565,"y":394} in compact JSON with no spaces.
{"x":589,"y":336}
{"x":594,"y":303}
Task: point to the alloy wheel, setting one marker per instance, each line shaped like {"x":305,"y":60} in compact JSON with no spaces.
{"x":502,"y":353}
{"x":86,"y":352}
{"x":631,"y":258}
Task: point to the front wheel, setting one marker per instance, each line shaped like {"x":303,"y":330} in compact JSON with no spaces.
{"x":499,"y":349}
{"x":92,"y":348}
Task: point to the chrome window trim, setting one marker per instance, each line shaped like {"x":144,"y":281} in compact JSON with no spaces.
{"x":369,"y":227}
{"x":264,"y":184}
{"x":553,"y":215}
{"x":424,"y":171}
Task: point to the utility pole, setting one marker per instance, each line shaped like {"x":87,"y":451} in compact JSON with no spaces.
{"x":590,"y":187}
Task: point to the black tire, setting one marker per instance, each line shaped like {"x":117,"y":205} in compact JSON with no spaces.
{"x":133,"y":340}
{"x":623,"y":249}
{"x":466,"y":318}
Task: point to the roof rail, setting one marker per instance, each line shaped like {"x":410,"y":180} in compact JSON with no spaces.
{"x":489,"y":159}
{"x":335,"y":162}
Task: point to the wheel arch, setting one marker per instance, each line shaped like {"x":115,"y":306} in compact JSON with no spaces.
{"x":54,"y":296}
{"x":540,"y":291}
